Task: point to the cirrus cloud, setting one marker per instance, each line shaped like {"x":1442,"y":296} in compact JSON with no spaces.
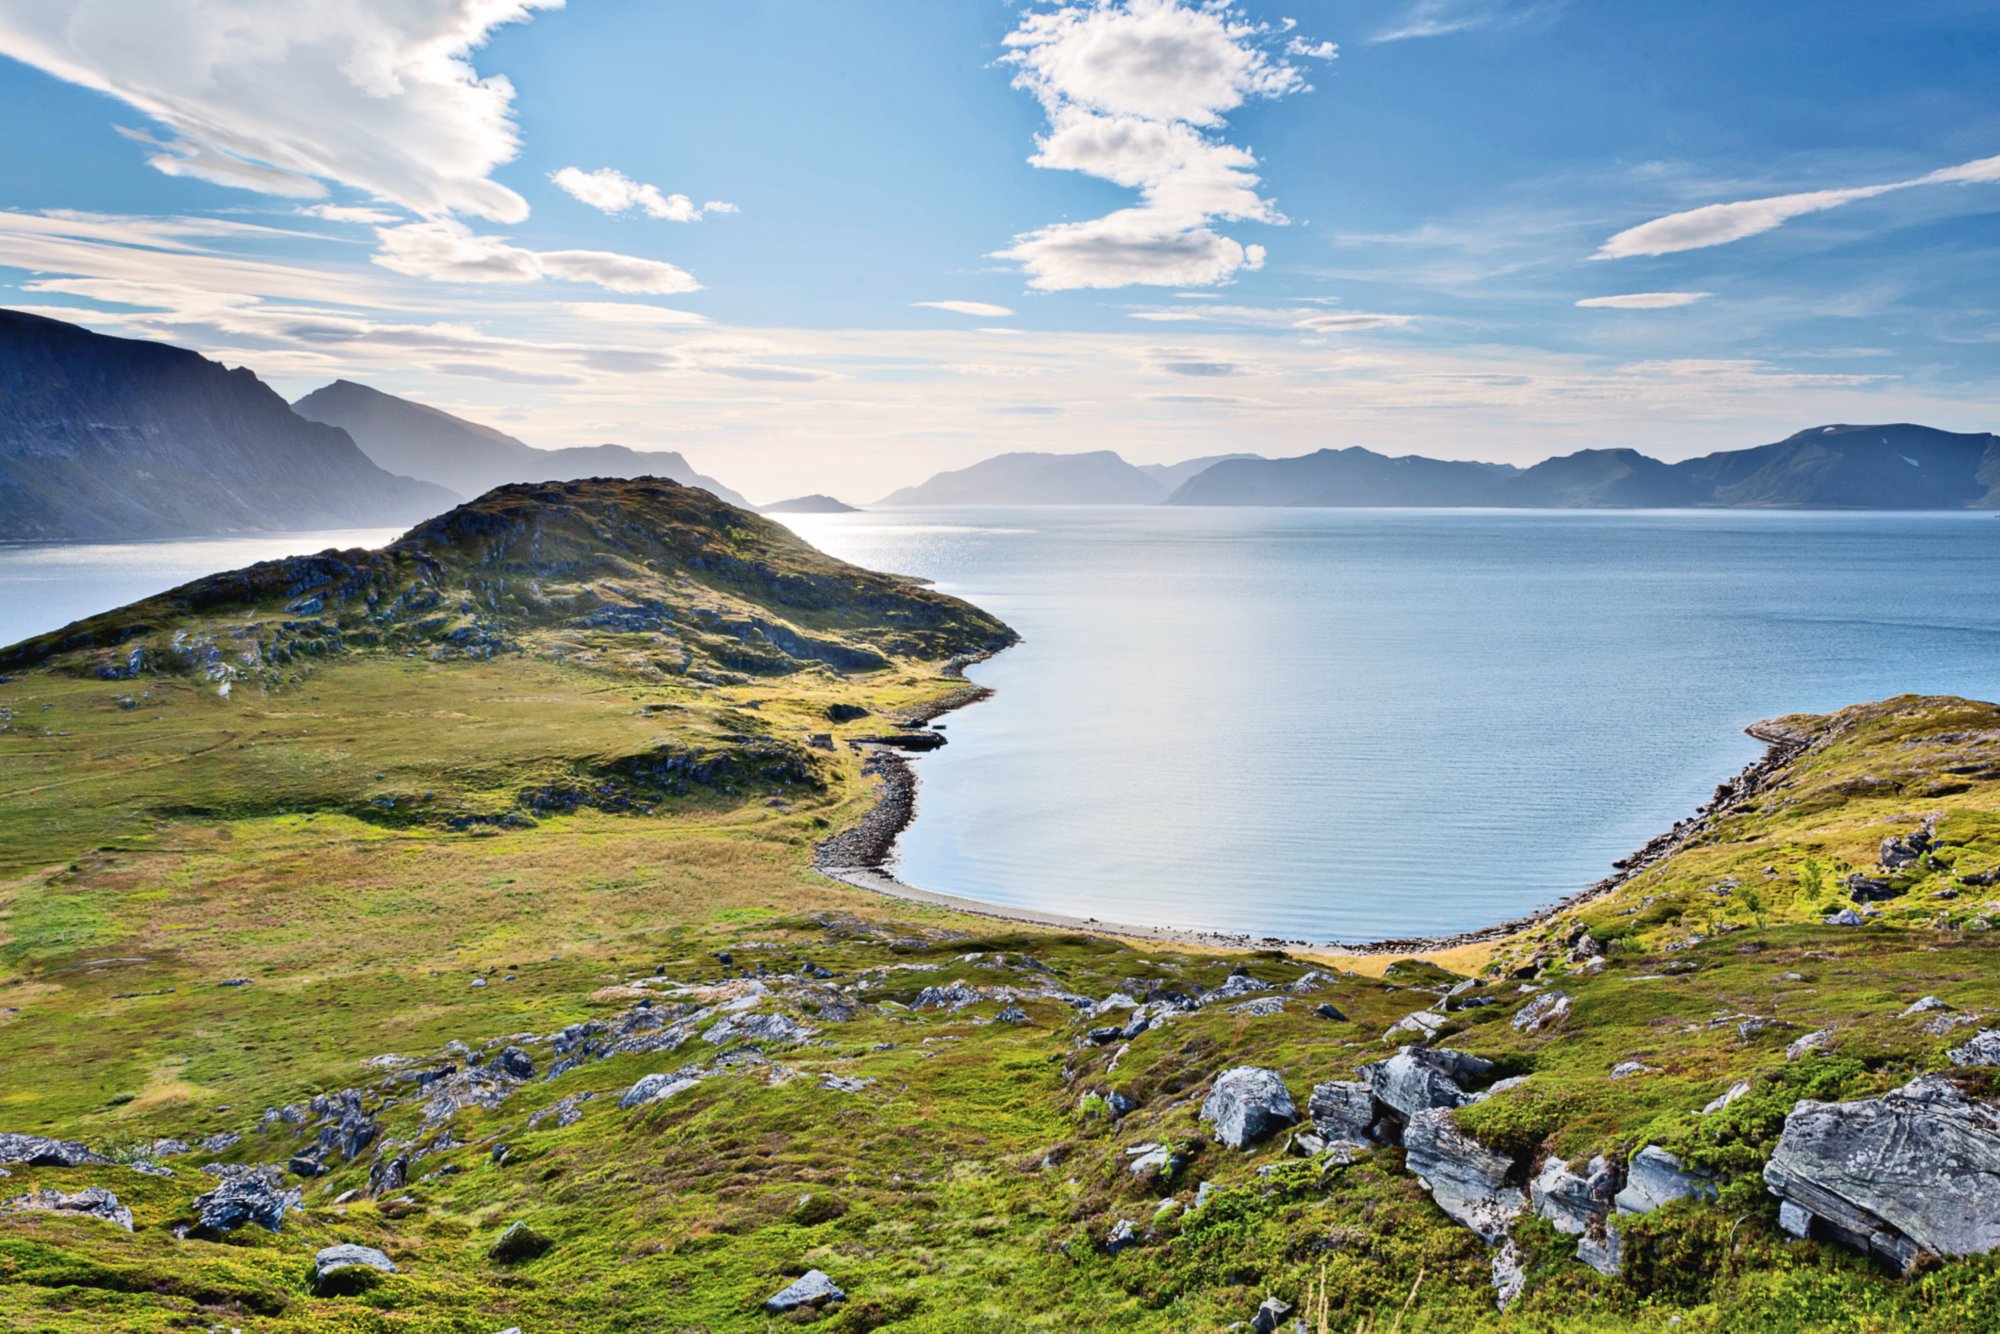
{"x":984,"y":308}
{"x":448,"y":251}
{"x":1719,"y":224}
{"x":1643,"y":300}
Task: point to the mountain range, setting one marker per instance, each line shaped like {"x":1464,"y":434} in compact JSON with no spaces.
{"x":1099,"y":477}
{"x":1827,"y":467}
{"x":471,"y":459}
{"x":107,"y":438}
{"x":1899,"y":466}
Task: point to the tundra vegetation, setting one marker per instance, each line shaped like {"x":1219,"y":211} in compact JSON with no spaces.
{"x":428,"y":940}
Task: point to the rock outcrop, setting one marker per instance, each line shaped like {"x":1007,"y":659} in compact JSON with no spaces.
{"x":347,"y":1268}
{"x":1247,"y":1104}
{"x":90,"y":1202}
{"x":1915,"y":1172}
{"x":1467,"y":1179}
{"x":1655,"y":1177}
{"x":252,"y":1196}
{"x":812,"y":1289}
{"x":1580,"y":1204}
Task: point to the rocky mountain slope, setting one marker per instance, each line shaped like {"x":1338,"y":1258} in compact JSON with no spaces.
{"x":1825,"y":467}
{"x":469,"y":458}
{"x":112,"y":438}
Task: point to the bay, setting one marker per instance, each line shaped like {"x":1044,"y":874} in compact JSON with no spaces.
{"x":1354,"y":724}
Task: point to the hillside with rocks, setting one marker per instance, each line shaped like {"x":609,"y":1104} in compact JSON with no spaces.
{"x":106,"y":439}
{"x":471,"y":971}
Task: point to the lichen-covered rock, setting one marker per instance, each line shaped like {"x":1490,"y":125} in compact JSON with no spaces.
{"x":652,"y":1088}
{"x":1467,"y":1179}
{"x":517,"y":1244}
{"x":91,"y":1202}
{"x":1915,"y":1172}
{"x":1417,"y":1078}
{"x":1544,"y":1011}
{"x":40,"y":1151}
{"x":1248,"y":1103}
{"x":347,"y":1268}
{"x":246,"y":1197}
{"x":1342,"y":1109}
{"x":1655,"y":1177}
{"x":1982,"y":1049}
{"x":1580,"y":1204}
{"x":813,"y":1289}
{"x":1508,"y":1276}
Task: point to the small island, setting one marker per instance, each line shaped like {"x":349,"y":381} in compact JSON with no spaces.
{"x":813,"y":504}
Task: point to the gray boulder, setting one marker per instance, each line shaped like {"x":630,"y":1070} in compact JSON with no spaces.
{"x":1545,"y":1010}
{"x":1580,"y":1204}
{"x":91,"y":1202}
{"x":1915,"y":1172}
{"x":40,"y":1151}
{"x":1508,"y":1276}
{"x":347,"y":1268}
{"x":1342,"y":1109}
{"x":652,"y":1088}
{"x":1655,"y":1177}
{"x":812,"y":1289}
{"x":781,"y":1028}
{"x":513,"y":1062}
{"x":1417,"y":1078}
{"x":1982,"y":1049}
{"x":1467,"y":1179}
{"x":247,"y":1197}
{"x":1271,"y":1313}
{"x":1246,"y":1104}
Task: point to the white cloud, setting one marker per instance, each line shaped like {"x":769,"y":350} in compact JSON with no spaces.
{"x":985,"y":308}
{"x":373,"y":217}
{"x":1133,"y":90}
{"x":1276,"y":317}
{"x":380,"y":95}
{"x":1642,"y":300}
{"x":448,"y":251}
{"x":1719,"y":224}
{"x":633,"y":313}
{"x":611,"y":191}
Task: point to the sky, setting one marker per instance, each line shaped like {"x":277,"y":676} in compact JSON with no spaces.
{"x":839,"y":246}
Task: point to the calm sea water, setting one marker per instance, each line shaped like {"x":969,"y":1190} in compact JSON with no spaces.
{"x":1354,"y":724}
{"x":44,"y":586}
{"x":1334,"y":724}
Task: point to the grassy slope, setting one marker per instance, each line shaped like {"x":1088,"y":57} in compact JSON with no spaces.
{"x":152,"y":852}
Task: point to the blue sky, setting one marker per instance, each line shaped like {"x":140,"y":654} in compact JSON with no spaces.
{"x":1161,"y":226}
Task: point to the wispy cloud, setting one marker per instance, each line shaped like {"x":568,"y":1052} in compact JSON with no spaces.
{"x":982,"y":308}
{"x":1135,"y":91}
{"x":1719,"y":224}
{"x":1643,"y":300}
{"x":1441,"y":18}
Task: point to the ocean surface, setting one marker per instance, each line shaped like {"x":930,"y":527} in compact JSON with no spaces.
{"x":1353,"y":724}
{"x":1333,"y":724}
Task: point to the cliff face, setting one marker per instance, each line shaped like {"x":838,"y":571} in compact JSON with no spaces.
{"x":110,"y":438}
{"x":472,"y":459}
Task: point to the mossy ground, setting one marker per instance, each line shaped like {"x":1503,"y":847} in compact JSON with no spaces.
{"x":148,"y":854}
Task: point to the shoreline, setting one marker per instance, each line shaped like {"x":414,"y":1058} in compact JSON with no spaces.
{"x":860,"y":856}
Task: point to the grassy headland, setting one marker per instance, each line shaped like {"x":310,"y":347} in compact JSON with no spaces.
{"x":547,"y":775}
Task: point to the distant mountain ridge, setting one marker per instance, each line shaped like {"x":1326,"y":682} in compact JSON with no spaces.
{"x":1899,"y":466}
{"x":471,"y":458}
{"x":1099,"y":477}
{"x":105,"y":439}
